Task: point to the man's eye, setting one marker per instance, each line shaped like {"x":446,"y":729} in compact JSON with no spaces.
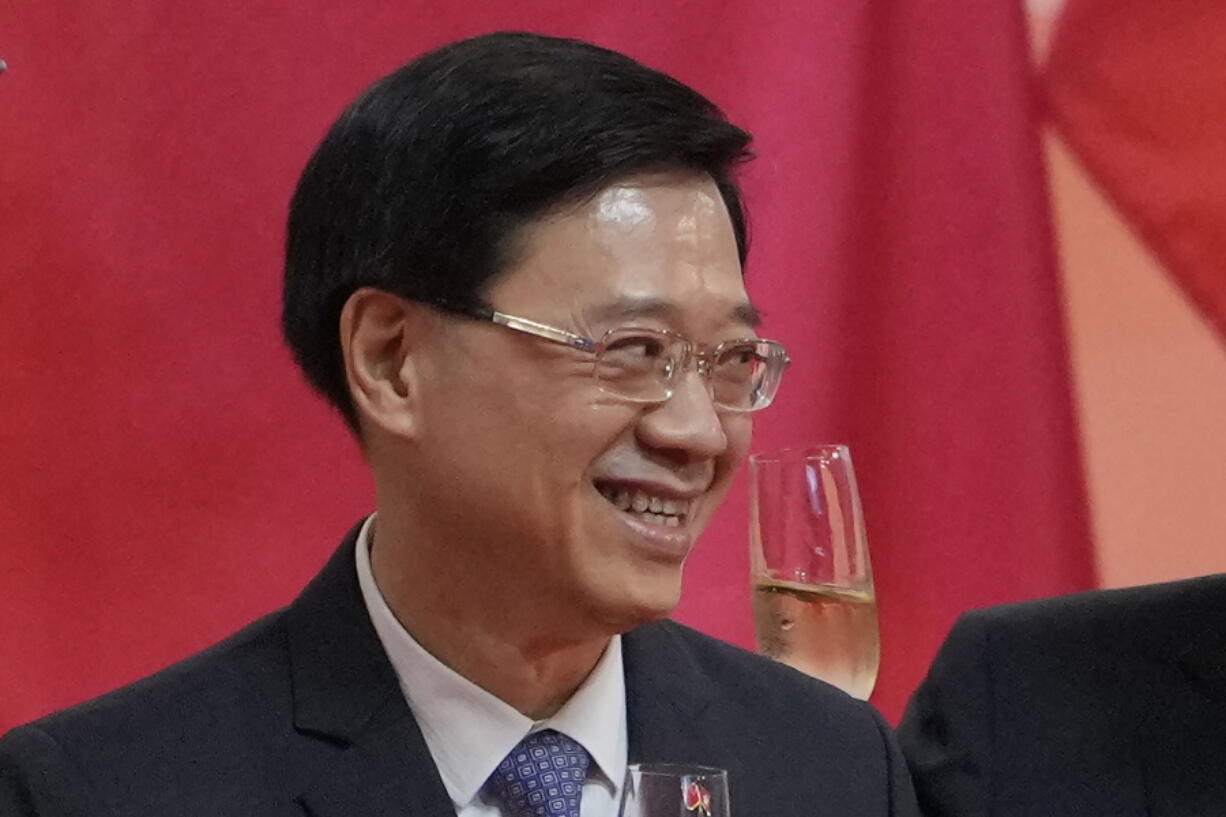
{"x":643,"y":346}
{"x":740,"y":356}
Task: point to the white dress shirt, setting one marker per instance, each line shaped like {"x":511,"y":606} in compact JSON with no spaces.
{"x":469,"y":731}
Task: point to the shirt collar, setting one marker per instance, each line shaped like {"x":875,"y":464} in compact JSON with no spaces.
{"x":467,"y":729}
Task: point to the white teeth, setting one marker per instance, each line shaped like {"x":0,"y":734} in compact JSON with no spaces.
{"x":654,"y":510}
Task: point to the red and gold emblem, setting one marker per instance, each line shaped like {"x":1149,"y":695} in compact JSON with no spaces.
{"x":697,"y":798}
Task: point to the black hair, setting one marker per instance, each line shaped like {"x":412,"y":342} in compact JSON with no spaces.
{"x":419,"y":188}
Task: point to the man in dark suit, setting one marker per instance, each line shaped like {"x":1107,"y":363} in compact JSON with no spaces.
{"x":1103,"y":703}
{"x":515,"y":268}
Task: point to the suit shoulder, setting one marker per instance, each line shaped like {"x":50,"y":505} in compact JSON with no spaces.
{"x":184,"y":695}
{"x":1083,"y":657}
{"x":1147,"y":615}
{"x":212,"y":729}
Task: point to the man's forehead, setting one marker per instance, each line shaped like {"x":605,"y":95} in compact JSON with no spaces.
{"x":657,"y":246}
{"x":628,"y":203}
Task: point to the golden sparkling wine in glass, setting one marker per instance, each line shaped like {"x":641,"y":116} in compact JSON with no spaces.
{"x":815,"y":608}
{"x":827,"y":632}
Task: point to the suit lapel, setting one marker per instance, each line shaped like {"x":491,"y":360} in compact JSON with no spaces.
{"x":375,"y":761}
{"x":669,"y":706}
{"x":1184,"y":743}
{"x":386,"y":772}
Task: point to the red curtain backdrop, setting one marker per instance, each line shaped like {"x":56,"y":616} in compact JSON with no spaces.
{"x":1138,"y":91}
{"x":166,"y":476}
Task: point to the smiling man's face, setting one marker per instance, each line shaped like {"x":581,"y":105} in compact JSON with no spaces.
{"x":535,"y":474}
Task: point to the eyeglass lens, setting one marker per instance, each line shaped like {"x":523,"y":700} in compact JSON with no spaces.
{"x":643,"y":366}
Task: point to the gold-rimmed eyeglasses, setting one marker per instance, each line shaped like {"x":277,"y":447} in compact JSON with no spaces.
{"x":643,"y":365}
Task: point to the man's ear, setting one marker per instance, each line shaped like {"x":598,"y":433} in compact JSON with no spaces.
{"x":381,"y":338}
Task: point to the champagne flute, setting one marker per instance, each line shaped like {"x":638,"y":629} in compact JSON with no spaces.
{"x":674,"y":790}
{"x":814,"y":605}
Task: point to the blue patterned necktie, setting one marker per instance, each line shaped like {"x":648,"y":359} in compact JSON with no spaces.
{"x":541,"y":777}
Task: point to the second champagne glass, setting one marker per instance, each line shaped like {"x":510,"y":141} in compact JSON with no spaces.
{"x":814,"y":604}
{"x":674,"y":790}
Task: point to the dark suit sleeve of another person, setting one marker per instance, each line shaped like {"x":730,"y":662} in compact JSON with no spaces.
{"x":38,"y":779}
{"x":947,"y":731}
{"x":1063,"y":707}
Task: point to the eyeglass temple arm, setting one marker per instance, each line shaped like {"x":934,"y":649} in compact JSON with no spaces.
{"x":541,"y":330}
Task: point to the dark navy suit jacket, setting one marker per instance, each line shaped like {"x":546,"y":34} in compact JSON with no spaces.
{"x":1103,"y":703}
{"x":301,"y":714}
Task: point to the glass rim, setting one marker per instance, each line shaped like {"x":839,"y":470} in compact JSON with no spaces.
{"x":676,"y":770}
{"x":801,"y":453}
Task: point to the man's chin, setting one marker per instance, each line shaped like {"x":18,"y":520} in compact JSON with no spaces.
{"x":639,"y":608}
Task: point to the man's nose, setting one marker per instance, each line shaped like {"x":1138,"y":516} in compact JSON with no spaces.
{"x":686,"y":422}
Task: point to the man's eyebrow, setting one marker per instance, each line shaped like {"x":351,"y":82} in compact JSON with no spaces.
{"x":648,"y":307}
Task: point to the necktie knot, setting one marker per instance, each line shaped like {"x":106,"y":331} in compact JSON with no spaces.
{"x":541,"y":777}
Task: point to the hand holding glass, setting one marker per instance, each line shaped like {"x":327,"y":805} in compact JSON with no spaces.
{"x":814,"y":605}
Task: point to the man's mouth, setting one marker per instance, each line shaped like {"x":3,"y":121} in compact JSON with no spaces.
{"x":647,"y":507}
